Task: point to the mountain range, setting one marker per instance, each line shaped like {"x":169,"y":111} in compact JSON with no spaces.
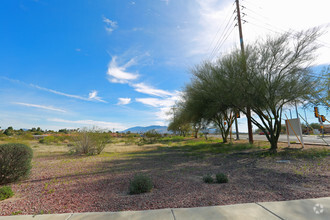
{"x":139,"y":129}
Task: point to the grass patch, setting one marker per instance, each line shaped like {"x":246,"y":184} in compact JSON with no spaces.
{"x":6,"y":192}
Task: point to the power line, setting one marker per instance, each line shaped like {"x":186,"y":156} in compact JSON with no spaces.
{"x":220,"y":27}
{"x":224,"y":40}
{"x":223,"y":36}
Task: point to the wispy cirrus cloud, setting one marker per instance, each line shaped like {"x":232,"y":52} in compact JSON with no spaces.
{"x":110,"y":25}
{"x":124,"y":101}
{"x":92,"y":95}
{"x":154,"y":102}
{"x":39,"y":106}
{"x":118,"y":74}
{"x":100,"y":124}
{"x":146,"y":89}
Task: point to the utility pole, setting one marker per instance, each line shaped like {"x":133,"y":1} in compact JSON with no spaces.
{"x":295,"y":103}
{"x":248,"y":109}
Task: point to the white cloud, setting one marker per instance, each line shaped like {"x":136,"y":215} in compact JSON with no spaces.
{"x":110,"y":25}
{"x":40,"y":106}
{"x":146,"y":89}
{"x":162,"y":106}
{"x":118,"y":74}
{"x":154,"y":102}
{"x":100,"y":124}
{"x":123,"y":101}
{"x":92,"y":95}
{"x":78,"y":50}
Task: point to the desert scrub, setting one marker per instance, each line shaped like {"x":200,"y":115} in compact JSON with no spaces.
{"x":140,"y":184}
{"x":5,"y":192}
{"x":221,"y":178}
{"x":15,"y":162}
{"x":90,"y":142}
{"x":208,"y":178}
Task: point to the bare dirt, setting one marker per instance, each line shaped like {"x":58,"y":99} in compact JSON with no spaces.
{"x":63,"y":183}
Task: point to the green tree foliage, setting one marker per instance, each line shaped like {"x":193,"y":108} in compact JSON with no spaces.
{"x":9,"y":131}
{"x":269,"y":75}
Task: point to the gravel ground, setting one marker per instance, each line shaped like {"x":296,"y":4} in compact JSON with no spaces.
{"x":61,"y":183}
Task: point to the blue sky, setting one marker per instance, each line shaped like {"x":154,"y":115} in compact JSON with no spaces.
{"x":116,"y":64}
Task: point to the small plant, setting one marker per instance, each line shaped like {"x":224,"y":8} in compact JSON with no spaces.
{"x":221,"y":178}
{"x":90,"y":142}
{"x":5,"y":192}
{"x":140,"y":184}
{"x":16,"y":213}
{"x":15,"y":162}
{"x":208,"y":179}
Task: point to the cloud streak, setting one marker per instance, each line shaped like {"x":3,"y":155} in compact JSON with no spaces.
{"x":118,"y":74}
{"x":123,"y":101}
{"x":92,"y":95}
{"x":146,"y":89}
{"x":39,"y":106}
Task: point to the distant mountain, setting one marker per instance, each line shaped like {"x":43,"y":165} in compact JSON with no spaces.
{"x":139,"y":129}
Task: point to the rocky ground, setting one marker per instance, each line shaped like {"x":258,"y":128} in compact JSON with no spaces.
{"x":63,"y":183}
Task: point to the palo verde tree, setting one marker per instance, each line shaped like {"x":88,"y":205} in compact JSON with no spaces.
{"x":204,"y":104}
{"x":269,"y":75}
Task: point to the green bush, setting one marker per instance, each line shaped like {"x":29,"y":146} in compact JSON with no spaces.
{"x":140,"y":184}
{"x":90,"y":142}
{"x":15,"y":162}
{"x":221,"y":178}
{"x":208,"y":179}
{"x":5,"y":192}
{"x":151,"y":137}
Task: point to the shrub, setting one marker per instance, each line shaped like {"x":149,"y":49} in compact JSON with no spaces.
{"x":15,"y":162}
{"x":90,"y":142}
{"x":151,"y":136}
{"x":208,"y":179}
{"x":140,"y":184}
{"x":5,"y":192}
{"x":221,"y":178}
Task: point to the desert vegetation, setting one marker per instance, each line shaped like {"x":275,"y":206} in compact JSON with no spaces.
{"x":169,"y":172}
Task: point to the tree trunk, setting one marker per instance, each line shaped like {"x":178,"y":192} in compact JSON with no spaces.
{"x":196,"y":133}
{"x":273,"y":145}
{"x":224,"y":139}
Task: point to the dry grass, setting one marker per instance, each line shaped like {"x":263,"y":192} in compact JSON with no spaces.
{"x":63,"y":183}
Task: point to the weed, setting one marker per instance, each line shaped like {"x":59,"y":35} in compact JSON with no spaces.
{"x":16,"y":213}
{"x":5,"y":192}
